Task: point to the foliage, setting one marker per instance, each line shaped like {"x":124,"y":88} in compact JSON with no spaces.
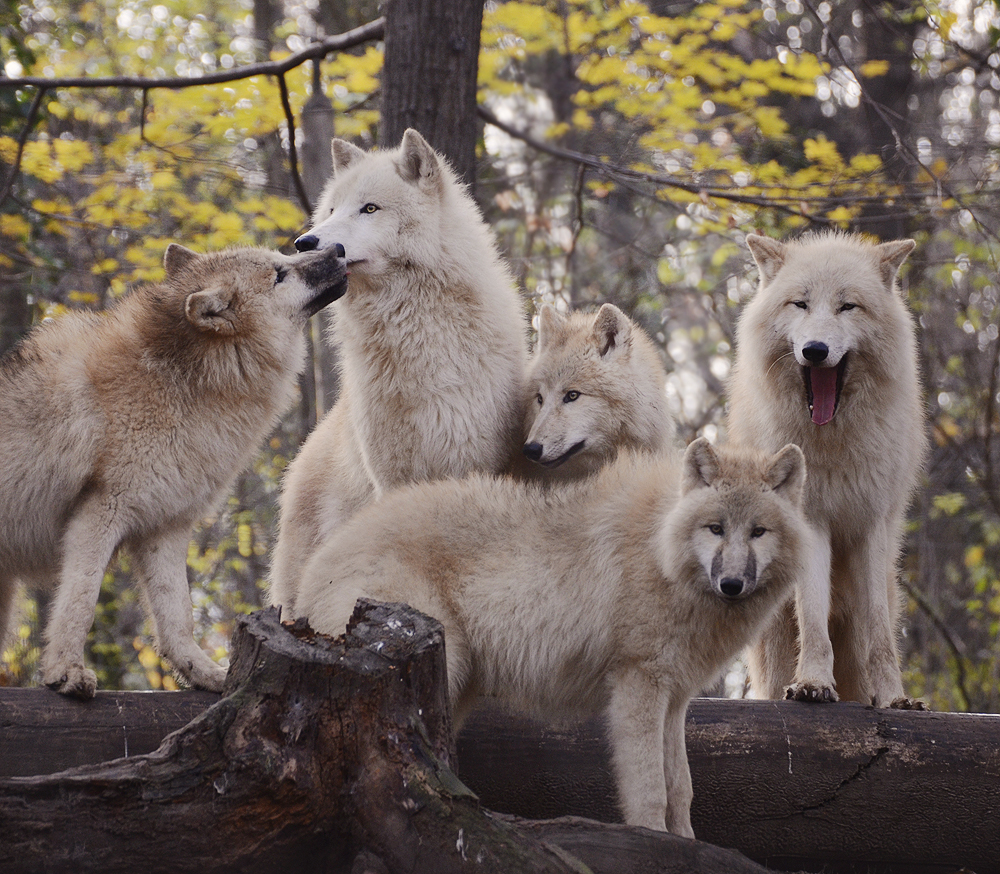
{"x":638,"y":142}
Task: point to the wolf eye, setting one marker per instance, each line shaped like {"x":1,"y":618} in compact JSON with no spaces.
{"x":570,"y":396}
{"x":279,"y":274}
{"x":716,"y":529}
{"x":848,"y":306}
{"x":369,"y":208}
{"x":801,"y":304}
{"x":758,"y":531}
{"x":538,"y":398}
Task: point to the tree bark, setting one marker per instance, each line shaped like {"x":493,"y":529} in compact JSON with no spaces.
{"x":324,"y":756}
{"x":429,"y":77}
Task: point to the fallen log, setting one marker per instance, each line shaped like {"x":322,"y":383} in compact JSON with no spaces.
{"x":322,"y":755}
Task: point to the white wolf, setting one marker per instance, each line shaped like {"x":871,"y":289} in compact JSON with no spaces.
{"x":826,"y":358}
{"x":626,"y":592}
{"x":432,"y":339}
{"x":123,"y":428}
{"x":596,"y":387}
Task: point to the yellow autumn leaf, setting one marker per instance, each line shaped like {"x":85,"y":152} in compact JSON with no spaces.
{"x":871,"y":69}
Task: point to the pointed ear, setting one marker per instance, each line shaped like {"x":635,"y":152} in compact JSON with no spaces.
{"x":551,"y":325}
{"x":701,"y":466}
{"x":210,"y":310}
{"x":344,"y":154}
{"x":177,"y":257}
{"x":612,"y":331}
{"x":786,"y":474}
{"x":891,"y":257}
{"x":418,"y":163}
{"x":768,"y":254}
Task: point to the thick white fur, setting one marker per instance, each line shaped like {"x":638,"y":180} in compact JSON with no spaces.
{"x":840,"y":636}
{"x":432,"y":341}
{"x":125,"y":427}
{"x":595,"y":387}
{"x":598,"y":596}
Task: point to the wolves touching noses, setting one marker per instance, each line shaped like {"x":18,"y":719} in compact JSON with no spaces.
{"x":309,"y":242}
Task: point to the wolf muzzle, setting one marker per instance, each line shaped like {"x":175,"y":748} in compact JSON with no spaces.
{"x":326,"y":272}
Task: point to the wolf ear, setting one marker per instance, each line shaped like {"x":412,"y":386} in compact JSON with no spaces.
{"x":787,"y":473}
{"x":211,"y":310}
{"x":612,"y":330}
{"x":701,"y":466}
{"x":177,"y":257}
{"x":418,"y":163}
{"x":768,"y":254}
{"x":551,"y":325}
{"x":891,"y":257}
{"x":344,"y":154}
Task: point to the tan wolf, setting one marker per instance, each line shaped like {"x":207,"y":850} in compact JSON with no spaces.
{"x":596,"y":386}
{"x":432,"y":337}
{"x":123,"y":428}
{"x":826,"y":358}
{"x":625,"y":593}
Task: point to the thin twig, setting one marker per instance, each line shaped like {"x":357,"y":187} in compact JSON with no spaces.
{"x":950,"y":642}
{"x":29,"y":123}
{"x":293,"y":155}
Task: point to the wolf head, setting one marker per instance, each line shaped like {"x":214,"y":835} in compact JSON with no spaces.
{"x":225,"y":291}
{"x":383,"y":207}
{"x":597,"y":386}
{"x":830,"y":302}
{"x":738,"y":523}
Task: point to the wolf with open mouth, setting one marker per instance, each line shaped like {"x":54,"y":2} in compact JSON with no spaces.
{"x":826,"y":358}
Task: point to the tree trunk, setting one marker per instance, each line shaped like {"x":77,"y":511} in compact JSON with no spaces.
{"x":429,"y":77}
{"x":324,"y":756}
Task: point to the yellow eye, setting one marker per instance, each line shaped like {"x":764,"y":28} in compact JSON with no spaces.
{"x":570,"y":396}
{"x":716,"y":529}
{"x":369,"y":208}
{"x":759,"y":531}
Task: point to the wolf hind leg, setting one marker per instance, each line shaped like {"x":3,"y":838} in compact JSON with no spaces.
{"x":89,"y":542}
{"x":161,"y":565}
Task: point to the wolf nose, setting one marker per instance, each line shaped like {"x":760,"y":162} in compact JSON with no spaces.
{"x":339,"y":249}
{"x":815,"y":353}
{"x":306,"y":243}
{"x":731,"y":587}
{"x":533,"y":450}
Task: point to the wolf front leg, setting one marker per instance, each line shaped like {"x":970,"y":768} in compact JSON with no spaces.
{"x":637,"y":719}
{"x":90,"y":540}
{"x":867,"y":656}
{"x":161,"y":563}
{"x":814,"y":672}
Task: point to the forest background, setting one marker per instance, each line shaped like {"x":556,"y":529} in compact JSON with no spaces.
{"x":629,"y":149}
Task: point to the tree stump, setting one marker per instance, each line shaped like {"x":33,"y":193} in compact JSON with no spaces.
{"x":324,"y":755}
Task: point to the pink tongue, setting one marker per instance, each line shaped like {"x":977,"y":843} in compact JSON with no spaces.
{"x":823,"y":382}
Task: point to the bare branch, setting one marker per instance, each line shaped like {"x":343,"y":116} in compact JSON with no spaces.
{"x":374,"y":30}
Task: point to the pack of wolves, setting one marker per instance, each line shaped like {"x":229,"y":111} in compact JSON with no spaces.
{"x":538,"y":504}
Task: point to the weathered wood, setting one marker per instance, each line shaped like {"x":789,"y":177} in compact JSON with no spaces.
{"x":788,"y":784}
{"x":323,"y":755}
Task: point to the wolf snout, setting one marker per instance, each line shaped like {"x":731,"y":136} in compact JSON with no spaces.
{"x":815,"y":352}
{"x":533,"y":451}
{"x":731,"y":587}
{"x":307,"y":243}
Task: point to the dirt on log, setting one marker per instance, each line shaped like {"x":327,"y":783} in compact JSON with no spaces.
{"x":323,"y":755}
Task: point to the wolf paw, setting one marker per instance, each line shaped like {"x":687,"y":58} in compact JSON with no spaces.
{"x":73,"y":680}
{"x":908,"y":704}
{"x":812,"y":692}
